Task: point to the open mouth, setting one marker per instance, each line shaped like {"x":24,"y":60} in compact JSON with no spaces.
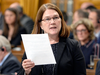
{"x":53,"y":27}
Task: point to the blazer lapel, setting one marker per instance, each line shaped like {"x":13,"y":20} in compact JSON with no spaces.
{"x":5,"y":62}
{"x":0,"y":69}
{"x":61,"y":47}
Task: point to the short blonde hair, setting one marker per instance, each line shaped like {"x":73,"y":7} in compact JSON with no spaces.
{"x":5,"y":43}
{"x":88,"y":24}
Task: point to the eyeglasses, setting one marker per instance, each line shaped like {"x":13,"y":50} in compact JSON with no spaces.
{"x":49,"y":19}
{"x":82,"y":31}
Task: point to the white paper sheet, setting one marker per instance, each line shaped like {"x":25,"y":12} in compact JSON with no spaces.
{"x":38,"y":48}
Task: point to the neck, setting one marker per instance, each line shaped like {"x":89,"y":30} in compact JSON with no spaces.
{"x":4,"y":56}
{"x":6,"y":53}
{"x":84,"y":42}
{"x":97,"y":29}
{"x":11,"y":27}
{"x":53,"y":39}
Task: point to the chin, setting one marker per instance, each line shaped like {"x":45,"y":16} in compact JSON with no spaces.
{"x":53,"y":33}
{"x":9,"y":23}
{"x":81,"y":39}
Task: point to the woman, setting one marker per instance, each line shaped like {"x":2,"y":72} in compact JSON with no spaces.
{"x":68,"y":55}
{"x":12,"y":27}
{"x":79,"y":14}
{"x":84,"y":33}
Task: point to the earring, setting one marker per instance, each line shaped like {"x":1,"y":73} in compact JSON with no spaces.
{"x":42,"y":31}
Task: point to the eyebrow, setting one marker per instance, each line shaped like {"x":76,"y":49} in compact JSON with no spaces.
{"x":50,"y":16}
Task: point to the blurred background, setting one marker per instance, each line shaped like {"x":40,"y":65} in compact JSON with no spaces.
{"x":30,"y":7}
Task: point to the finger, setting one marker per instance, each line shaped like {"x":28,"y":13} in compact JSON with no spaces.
{"x":28,"y":66}
{"x":15,"y":73}
{"x":28,"y":63}
{"x":27,"y":69}
{"x":26,"y":60}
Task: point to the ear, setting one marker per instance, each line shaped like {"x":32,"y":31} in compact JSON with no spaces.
{"x":99,"y":21}
{"x":41,"y":25}
{"x":4,"y":49}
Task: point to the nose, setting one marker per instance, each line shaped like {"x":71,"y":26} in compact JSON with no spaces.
{"x":52,"y":20}
{"x":80,"y":33}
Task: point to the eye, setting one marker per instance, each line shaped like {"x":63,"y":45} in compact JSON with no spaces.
{"x":56,"y":18}
{"x":83,"y":30}
{"x":47,"y":19}
{"x":77,"y":30}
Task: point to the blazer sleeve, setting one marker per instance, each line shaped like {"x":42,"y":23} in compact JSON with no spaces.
{"x":12,"y":67}
{"x":79,"y":61}
{"x":98,"y":68}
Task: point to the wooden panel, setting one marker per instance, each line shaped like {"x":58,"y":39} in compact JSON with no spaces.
{"x":19,"y":54}
{"x":90,"y":72}
{"x":77,"y":3}
{"x":95,"y":62}
{"x":65,"y":5}
{"x":6,"y":3}
{"x":43,"y":2}
{"x":62,"y":4}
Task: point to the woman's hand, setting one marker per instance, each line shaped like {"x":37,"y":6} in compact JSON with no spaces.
{"x":27,"y":65}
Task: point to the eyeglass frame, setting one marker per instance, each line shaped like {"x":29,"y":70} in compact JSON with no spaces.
{"x":82,"y":31}
{"x":55,"y":18}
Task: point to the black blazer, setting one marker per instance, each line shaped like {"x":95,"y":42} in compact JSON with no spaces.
{"x":70,"y":60}
{"x":11,"y":65}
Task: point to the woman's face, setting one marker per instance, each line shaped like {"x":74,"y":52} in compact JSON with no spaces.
{"x":51,"y":22}
{"x":82,"y":33}
{"x":9,"y":17}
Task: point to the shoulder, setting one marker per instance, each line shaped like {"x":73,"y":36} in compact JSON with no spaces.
{"x":68,"y":41}
{"x":12,"y":59}
{"x":22,"y":29}
{"x":25,"y":18}
{"x":99,"y":62}
{"x":73,"y":46}
{"x":71,"y":42}
{"x":98,"y":68}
